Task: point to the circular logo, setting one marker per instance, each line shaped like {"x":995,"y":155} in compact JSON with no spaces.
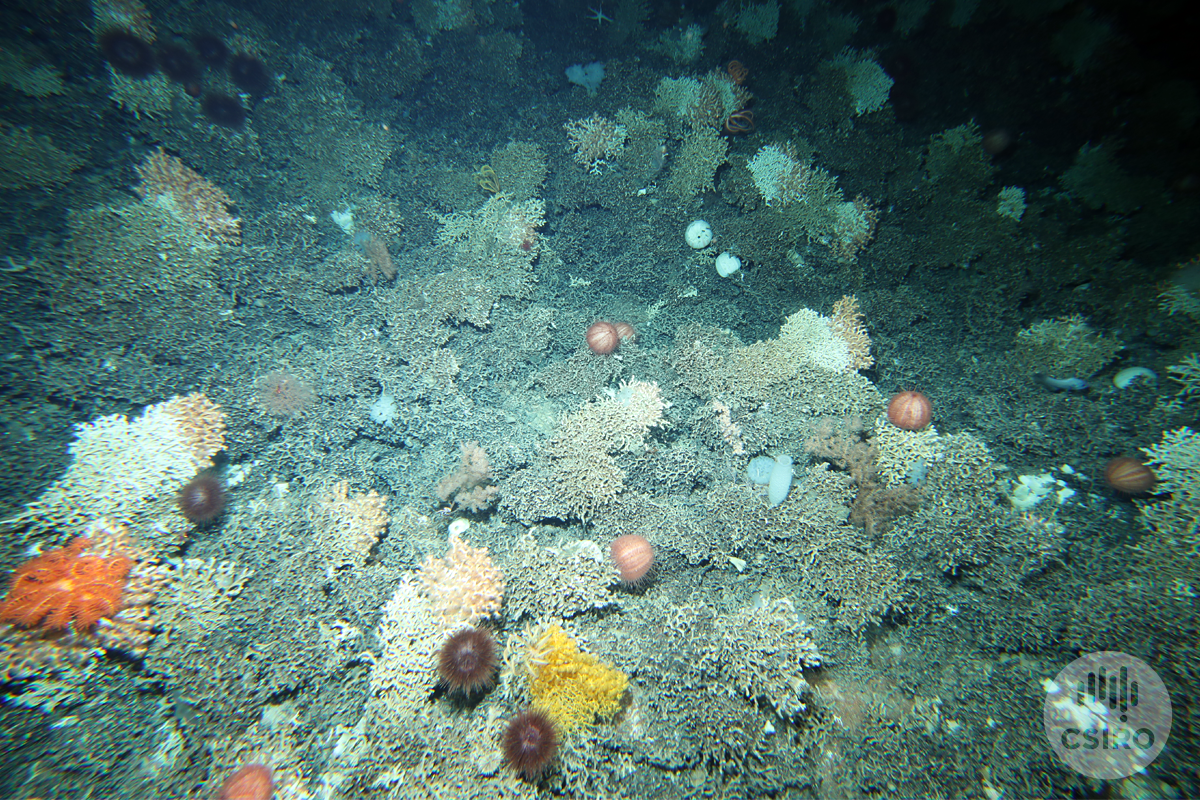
{"x":1107,"y":714}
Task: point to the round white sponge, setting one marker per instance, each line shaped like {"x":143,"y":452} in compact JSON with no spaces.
{"x":698,"y":234}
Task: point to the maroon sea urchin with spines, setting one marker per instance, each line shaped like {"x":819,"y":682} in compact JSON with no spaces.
{"x":530,"y":743}
{"x":202,"y":499}
{"x":467,"y":662}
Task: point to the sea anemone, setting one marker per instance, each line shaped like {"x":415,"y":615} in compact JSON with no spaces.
{"x":63,"y":587}
{"x":211,"y":49}
{"x":530,"y":743}
{"x":467,"y":662}
{"x":249,"y":74}
{"x":282,"y":394}
{"x":224,"y":110}
{"x":127,"y":54}
{"x":178,"y":64}
{"x":202,"y":499}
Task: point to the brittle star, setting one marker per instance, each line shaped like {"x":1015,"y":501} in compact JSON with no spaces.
{"x":599,"y":15}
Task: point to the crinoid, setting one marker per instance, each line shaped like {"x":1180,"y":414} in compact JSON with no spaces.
{"x":738,"y":72}
{"x":64,"y":588}
{"x":740,"y":122}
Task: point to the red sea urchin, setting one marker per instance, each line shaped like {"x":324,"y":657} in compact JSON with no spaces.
{"x":224,"y":110}
{"x":126,"y":53}
{"x":602,"y":338}
{"x":467,"y":662}
{"x":530,"y":743}
{"x":251,"y":782}
{"x":202,"y":499}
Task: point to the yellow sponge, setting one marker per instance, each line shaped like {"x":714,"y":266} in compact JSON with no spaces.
{"x":573,"y":688}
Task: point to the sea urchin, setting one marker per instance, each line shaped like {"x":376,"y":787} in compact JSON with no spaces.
{"x":224,"y":110}
{"x":178,"y":64}
{"x":202,"y":499}
{"x":467,"y":662}
{"x":211,"y":49}
{"x":530,"y":743}
{"x":249,"y":74}
{"x":127,"y":54}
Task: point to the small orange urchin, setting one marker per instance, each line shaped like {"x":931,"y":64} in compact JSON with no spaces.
{"x":251,"y":782}
{"x":633,"y":556}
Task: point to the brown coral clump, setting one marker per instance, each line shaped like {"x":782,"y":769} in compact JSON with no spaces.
{"x":381,"y":267}
{"x":165,"y":180}
{"x":470,"y":486}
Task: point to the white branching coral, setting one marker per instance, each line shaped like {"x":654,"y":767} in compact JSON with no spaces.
{"x":849,"y":325}
{"x":123,"y":468}
{"x":780,"y":176}
{"x":731,"y":432}
{"x":596,"y":140}
{"x":866,"y":82}
{"x":578,"y":472}
{"x":853,"y":227}
{"x":1176,"y":463}
{"x":585,"y":473}
{"x":347,"y":527}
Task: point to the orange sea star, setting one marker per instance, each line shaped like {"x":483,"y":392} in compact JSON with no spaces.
{"x":62,"y":587}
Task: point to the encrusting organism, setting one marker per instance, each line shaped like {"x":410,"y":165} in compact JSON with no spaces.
{"x":63,"y":587}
